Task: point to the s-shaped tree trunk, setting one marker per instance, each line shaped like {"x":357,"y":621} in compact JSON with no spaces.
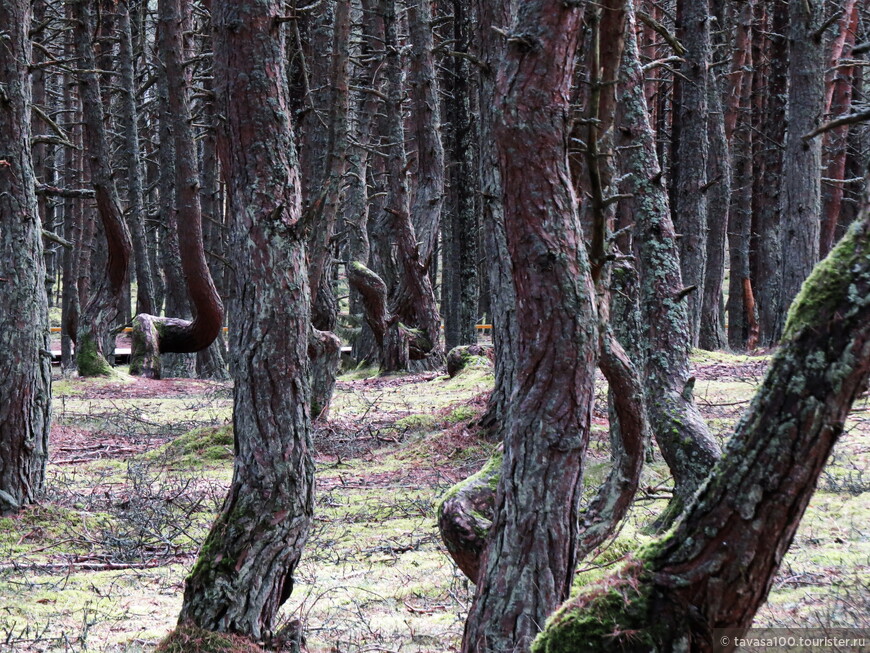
{"x":523,"y":575}
{"x":245,"y":567}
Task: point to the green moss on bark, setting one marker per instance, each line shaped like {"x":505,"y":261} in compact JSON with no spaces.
{"x":89,"y":360}
{"x":609,"y":616}
{"x":822,"y":292}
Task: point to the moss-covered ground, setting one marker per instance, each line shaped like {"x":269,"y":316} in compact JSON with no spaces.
{"x":138,"y":470}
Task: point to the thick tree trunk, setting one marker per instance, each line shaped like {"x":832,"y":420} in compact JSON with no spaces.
{"x":523,"y":575}
{"x":716,"y":568}
{"x":679,"y":429}
{"x":102,"y":307}
{"x":801,"y":180}
{"x":245,"y":568}
{"x":173,"y":335}
{"x":25,"y":362}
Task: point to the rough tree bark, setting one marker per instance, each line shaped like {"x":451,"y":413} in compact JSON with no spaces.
{"x":102,"y":306}
{"x":25,"y":362}
{"x":802,"y":167}
{"x":690,"y":157}
{"x":503,"y":302}
{"x":460,"y":281}
{"x":145,"y":301}
{"x":523,"y":575}
{"x":766,"y":197}
{"x":677,"y":424}
{"x":245,"y":568}
{"x":154,"y":335}
{"x":716,"y":568}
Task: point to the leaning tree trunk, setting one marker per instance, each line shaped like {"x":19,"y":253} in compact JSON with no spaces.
{"x":679,"y":429}
{"x":716,"y":568}
{"x":25,"y":362}
{"x":523,"y":575}
{"x":245,"y":567}
{"x":154,"y":335}
{"x":102,"y":307}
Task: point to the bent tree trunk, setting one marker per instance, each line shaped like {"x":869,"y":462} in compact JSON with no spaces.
{"x":102,"y":307}
{"x":677,"y":424}
{"x":245,"y":568}
{"x":155,"y":335}
{"x":715,"y":569}
{"x":523,"y":575}
{"x":25,"y":363}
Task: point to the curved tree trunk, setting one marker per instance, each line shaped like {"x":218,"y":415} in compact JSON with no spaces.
{"x":102,"y":307}
{"x":174,"y":335}
{"x":245,"y":568}
{"x":523,"y":575}
{"x":716,"y":568}
{"x":677,"y":424}
{"x":25,"y":362}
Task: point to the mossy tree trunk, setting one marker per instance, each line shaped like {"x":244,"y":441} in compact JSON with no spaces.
{"x":25,"y":363}
{"x":173,"y":335}
{"x":715,"y":569}
{"x":101,"y":308}
{"x":679,"y":429}
{"x":245,"y":568}
{"x":523,"y":575}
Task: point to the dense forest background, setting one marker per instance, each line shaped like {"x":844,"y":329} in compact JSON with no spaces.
{"x":262,"y":191}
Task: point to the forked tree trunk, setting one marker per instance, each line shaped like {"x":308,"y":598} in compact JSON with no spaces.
{"x":155,"y":335}
{"x":245,"y":567}
{"x":679,"y":429}
{"x":524,"y":575}
{"x":716,"y":568}
{"x":25,"y":362}
{"x":102,"y":307}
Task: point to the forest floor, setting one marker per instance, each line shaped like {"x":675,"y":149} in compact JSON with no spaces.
{"x":138,"y":469}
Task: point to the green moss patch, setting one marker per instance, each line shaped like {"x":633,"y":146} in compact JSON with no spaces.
{"x":201,"y":446}
{"x":187,"y":638}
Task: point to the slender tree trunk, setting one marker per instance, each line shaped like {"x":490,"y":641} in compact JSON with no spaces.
{"x":835,"y":144}
{"x":502,"y":294}
{"x":245,"y":568}
{"x":677,"y":424}
{"x":25,"y":362}
{"x":801,"y":180}
{"x":767,"y":198}
{"x":101,"y":309}
{"x":145,"y":302}
{"x":690,"y":159}
{"x":523,"y":574}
